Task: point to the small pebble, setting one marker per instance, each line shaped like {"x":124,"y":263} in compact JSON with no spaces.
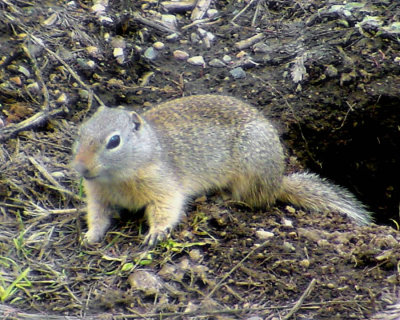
{"x":83,"y":94}
{"x":181,"y":55}
{"x":50,"y":20}
{"x":168,"y":270}
{"x":305,"y":263}
{"x":194,"y":37}
{"x":210,"y":36}
{"x":201,"y":32}
{"x":287,"y":223}
{"x":58,"y":174}
{"x":102,"y":2}
{"x":106,"y":21}
{"x":197,"y":61}
{"x":241,"y":54}
{"x":118,"y":52}
{"x":195,"y":255}
{"x":290,"y":209}
{"x":170,"y":20}
{"x":120,"y":59}
{"x":226,"y":58}
{"x":288,"y":247}
{"x":331,"y":71}
{"x":264,"y":235}
{"x":158,"y":45}
{"x":150,"y":53}
{"x":147,"y":282}
{"x":62,"y":98}
{"x":118,"y":42}
{"x":98,"y":8}
{"x":85,"y":63}
{"x":238,"y":73}
{"x":261,"y":48}
{"x":92,"y":50}
{"x":212,"y":13}
{"x":16,"y":80}
{"x":172,"y":37}
{"x":206,"y":42}
{"x":216,"y":63}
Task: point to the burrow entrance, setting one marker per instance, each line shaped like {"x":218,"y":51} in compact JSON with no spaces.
{"x":362,"y":154}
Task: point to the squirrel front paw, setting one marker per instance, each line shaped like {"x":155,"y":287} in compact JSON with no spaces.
{"x":155,"y":236}
{"x":91,"y":237}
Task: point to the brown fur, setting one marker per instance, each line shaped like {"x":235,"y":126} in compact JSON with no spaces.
{"x":186,"y":146}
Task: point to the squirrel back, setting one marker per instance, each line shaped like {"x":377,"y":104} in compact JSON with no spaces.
{"x":186,"y":146}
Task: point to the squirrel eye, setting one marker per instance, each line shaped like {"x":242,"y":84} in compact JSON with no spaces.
{"x":113,"y":142}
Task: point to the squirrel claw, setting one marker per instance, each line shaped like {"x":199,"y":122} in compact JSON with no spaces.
{"x":87,"y":244}
{"x":154,"y":237}
{"x":89,"y":240}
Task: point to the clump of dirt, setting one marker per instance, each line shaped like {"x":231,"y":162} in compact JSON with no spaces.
{"x":325,"y":73}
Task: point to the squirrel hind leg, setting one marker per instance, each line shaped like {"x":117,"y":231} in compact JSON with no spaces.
{"x":254,"y":191}
{"x":259,"y":165}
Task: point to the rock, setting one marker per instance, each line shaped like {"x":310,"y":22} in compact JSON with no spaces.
{"x":150,"y":53}
{"x":226,"y":58}
{"x":216,"y":63}
{"x":62,"y":98}
{"x":98,"y":8}
{"x":238,"y":73}
{"x":145,"y":281}
{"x":16,"y":80}
{"x":158,"y":45}
{"x":117,"y":52}
{"x":194,"y":37}
{"x":287,"y":223}
{"x":210,"y":36}
{"x":211,"y":13}
{"x":172,"y":37}
{"x":92,"y":50}
{"x":170,"y":20}
{"x":264,"y":235}
{"x":197,"y":61}
{"x":180,"y":55}
{"x":261,"y":47}
{"x":201,"y":32}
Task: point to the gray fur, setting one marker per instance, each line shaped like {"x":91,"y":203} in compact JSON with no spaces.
{"x":190,"y":145}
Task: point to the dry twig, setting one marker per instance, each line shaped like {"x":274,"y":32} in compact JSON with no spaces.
{"x":219,"y":284}
{"x":299,"y":302}
{"x":34,"y":121}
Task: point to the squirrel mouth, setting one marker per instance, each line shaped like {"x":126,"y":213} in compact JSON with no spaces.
{"x":89,"y":177}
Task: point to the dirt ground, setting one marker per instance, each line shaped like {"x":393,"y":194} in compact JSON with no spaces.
{"x":327,"y":73}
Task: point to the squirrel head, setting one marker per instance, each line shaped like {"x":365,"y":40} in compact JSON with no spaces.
{"x":112,"y":143}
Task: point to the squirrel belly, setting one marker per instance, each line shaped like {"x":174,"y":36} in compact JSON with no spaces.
{"x":183,"y":147}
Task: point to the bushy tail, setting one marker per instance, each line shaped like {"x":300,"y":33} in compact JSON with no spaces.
{"x":309,"y":191}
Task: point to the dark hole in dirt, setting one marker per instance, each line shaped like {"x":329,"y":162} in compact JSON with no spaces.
{"x":362,"y":154}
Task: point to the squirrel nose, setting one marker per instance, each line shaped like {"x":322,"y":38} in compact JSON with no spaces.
{"x":81,"y":168}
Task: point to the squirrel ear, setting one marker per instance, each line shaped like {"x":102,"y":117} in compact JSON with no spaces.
{"x":136,"y":120}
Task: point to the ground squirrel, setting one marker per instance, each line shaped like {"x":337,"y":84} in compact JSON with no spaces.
{"x":177,"y":149}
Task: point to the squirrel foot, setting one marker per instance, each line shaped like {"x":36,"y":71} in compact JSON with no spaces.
{"x":91,"y":238}
{"x":155,"y":236}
